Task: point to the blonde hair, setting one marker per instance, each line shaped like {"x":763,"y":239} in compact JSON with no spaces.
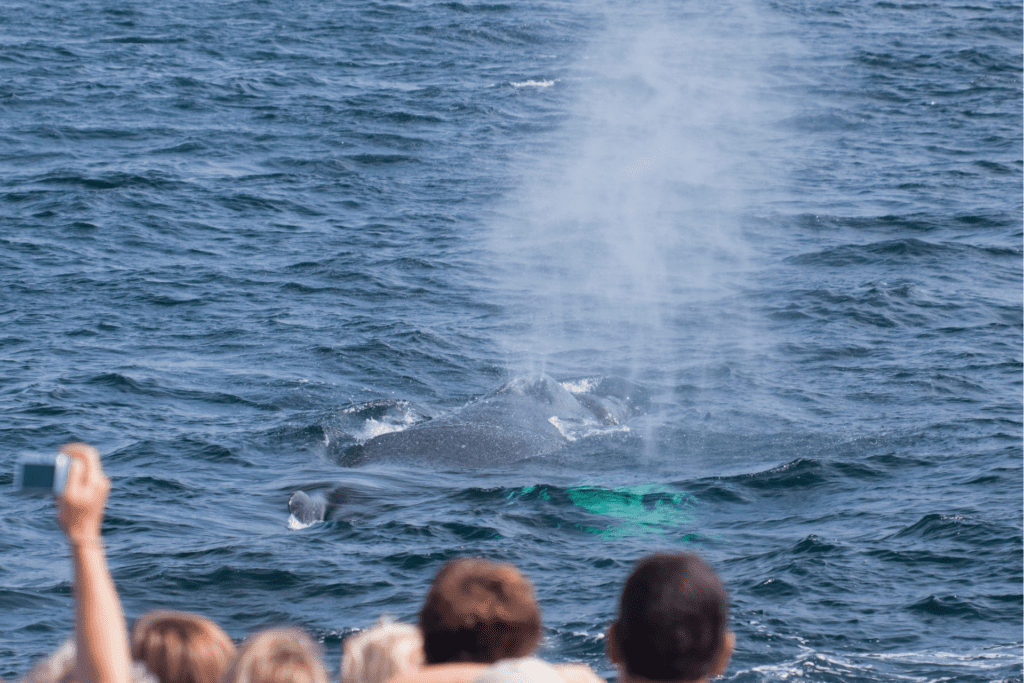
{"x":180,"y":647}
{"x":277,"y":655}
{"x":59,"y":667}
{"x":381,"y":652}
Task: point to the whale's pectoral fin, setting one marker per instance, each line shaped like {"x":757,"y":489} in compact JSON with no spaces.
{"x":306,"y":510}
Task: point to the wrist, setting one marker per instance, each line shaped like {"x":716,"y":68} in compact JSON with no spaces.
{"x":85,"y":542}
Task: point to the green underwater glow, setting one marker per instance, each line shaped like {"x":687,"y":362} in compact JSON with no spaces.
{"x":637,"y":510}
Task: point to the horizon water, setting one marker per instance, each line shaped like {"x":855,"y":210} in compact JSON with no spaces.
{"x":238,"y":238}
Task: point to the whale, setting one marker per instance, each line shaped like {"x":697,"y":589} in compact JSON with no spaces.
{"x":527,"y":416}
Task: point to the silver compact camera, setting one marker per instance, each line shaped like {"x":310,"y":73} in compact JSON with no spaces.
{"x":40,"y":474}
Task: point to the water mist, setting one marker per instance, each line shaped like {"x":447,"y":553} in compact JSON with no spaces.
{"x":623,"y":245}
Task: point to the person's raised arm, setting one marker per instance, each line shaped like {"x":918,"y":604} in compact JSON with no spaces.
{"x":101,"y":635}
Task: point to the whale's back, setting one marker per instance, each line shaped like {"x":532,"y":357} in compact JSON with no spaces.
{"x":521,"y":419}
{"x":501,"y":428}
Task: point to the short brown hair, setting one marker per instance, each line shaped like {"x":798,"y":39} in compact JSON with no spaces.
{"x":672,"y":619}
{"x":179,"y":647}
{"x":479,"y":611}
{"x":277,"y":655}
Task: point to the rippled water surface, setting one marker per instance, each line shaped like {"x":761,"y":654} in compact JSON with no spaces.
{"x":237,"y":239}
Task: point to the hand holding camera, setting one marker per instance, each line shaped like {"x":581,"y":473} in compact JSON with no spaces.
{"x":80,"y":506}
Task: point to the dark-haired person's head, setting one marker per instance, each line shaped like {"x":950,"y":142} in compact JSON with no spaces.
{"x":479,"y":611}
{"x":672,"y":621}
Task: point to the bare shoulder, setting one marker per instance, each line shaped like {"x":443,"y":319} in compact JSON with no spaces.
{"x":444,"y":673}
{"x":577,"y":673}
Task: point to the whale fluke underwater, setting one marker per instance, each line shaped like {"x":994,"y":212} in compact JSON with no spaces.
{"x":525,"y":417}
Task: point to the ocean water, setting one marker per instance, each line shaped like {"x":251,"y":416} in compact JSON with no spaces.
{"x":238,"y":238}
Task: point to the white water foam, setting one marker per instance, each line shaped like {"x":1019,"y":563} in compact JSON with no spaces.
{"x":294,"y":524}
{"x":985,"y":658}
{"x":580,"y":386}
{"x":812,"y":665}
{"x":394,"y":418}
{"x":372,"y":427}
{"x":532,"y":84}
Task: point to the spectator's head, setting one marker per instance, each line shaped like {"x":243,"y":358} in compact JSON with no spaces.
{"x":277,"y":655}
{"x":381,"y":652}
{"x":672,"y":621}
{"x":479,"y":611}
{"x":179,"y":647}
{"x":57,"y":668}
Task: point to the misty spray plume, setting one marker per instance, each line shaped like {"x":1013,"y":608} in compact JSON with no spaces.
{"x":624,"y":242}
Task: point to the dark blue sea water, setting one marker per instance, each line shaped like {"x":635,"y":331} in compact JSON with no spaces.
{"x":238,"y":237}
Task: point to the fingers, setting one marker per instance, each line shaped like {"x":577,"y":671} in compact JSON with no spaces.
{"x":88,"y":463}
{"x":80,"y":506}
{"x":83,"y":454}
